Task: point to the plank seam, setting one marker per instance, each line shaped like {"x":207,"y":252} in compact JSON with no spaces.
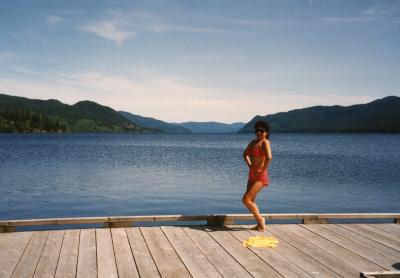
{"x":76,"y":267}
{"x":340,"y":246}
{"x":283,"y":255}
{"x":362,"y":244}
{"x":368,"y":237}
{"x":180,"y":258}
{"x":77,"y":255}
{"x":380,"y":230}
{"x":327,"y":251}
{"x":41,"y":252}
{"x":130,"y":248}
{"x":144,"y":239}
{"x":230,"y":254}
{"x":59,"y":253}
{"x":58,"y":257}
{"x":308,"y":255}
{"x":97,"y":252}
{"x":203,"y":252}
{"x":387,"y":231}
{"x":30,"y":238}
{"x":115,"y":257}
{"x":230,"y":232}
{"x":62,"y":244}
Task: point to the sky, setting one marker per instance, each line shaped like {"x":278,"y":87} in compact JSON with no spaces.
{"x":201,"y":60}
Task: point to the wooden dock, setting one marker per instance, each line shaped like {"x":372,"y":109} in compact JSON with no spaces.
{"x":304,"y":250}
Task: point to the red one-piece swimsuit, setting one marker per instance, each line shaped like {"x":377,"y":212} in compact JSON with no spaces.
{"x":254,"y":175}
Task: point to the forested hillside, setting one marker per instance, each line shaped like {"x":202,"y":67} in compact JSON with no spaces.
{"x":381,"y":115}
{"x":18,"y":114}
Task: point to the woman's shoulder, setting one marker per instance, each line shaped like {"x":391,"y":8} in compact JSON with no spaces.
{"x":252,"y":142}
{"x":265,"y":142}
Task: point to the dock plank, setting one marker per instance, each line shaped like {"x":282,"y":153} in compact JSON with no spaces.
{"x":87,"y":260}
{"x":334,"y":263}
{"x":393,"y":229}
{"x":67,"y":262}
{"x":371,"y":250}
{"x":144,"y":261}
{"x":360,"y":239}
{"x":380,"y":231}
{"x":123,"y":254}
{"x":361,"y":257}
{"x":217,"y":255}
{"x":12,"y":247}
{"x":250,"y":261}
{"x":379,"y":236}
{"x":48,"y":261}
{"x":280,"y":263}
{"x":107,"y":267}
{"x":167,"y":261}
{"x":29,"y":260}
{"x":318,"y":250}
{"x":194,"y":260}
{"x":296,"y":256}
{"x":3,"y":238}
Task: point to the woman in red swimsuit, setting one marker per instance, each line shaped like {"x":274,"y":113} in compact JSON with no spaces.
{"x":257,"y":156}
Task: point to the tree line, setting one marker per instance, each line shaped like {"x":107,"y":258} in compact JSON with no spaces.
{"x":22,"y":120}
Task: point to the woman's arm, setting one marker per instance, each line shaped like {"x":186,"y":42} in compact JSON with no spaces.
{"x":266,"y":147}
{"x":246,"y":156}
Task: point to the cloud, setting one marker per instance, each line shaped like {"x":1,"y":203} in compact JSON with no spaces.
{"x":73,"y":12}
{"x":7,"y":56}
{"x":345,"y":19}
{"x":253,"y":22}
{"x":53,"y":19}
{"x":109,"y":30}
{"x":382,"y":10}
{"x":169,"y":98}
{"x":122,"y":25}
{"x":190,"y":29}
{"x":212,"y":57}
{"x":379,"y":11}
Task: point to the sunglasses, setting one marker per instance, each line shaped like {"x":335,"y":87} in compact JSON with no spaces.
{"x":260,"y":130}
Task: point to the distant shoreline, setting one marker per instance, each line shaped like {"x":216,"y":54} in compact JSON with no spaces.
{"x":189,"y":134}
{"x":23,"y":115}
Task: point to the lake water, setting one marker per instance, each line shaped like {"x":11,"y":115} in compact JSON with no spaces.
{"x":68,"y":175}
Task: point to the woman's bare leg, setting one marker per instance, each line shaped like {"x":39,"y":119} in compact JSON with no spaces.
{"x":249,"y":201}
{"x":249,"y":185}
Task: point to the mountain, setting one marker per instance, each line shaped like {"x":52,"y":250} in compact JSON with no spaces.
{"x":154,"y":123}
{"x":211,"y":127}
{"x":381,"y":115}
{"x":19,"y":114}
{"x":186,"y":127}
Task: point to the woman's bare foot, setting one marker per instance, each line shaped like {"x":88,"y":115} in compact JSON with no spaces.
{"x":255,"y":228}
{"x":261,"y":226}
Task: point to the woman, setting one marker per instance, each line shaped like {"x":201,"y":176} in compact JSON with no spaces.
{"x":257,"y":156}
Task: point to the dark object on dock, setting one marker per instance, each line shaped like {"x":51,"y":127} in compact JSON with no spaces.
{"x":381,"y":274}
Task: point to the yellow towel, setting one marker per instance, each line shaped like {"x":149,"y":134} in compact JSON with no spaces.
{"x":261,"y":241}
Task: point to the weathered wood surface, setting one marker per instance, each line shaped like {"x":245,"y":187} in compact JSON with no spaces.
{"x":68,"y":259}
{"x":87,"y":259}
{"x":317,"y":250}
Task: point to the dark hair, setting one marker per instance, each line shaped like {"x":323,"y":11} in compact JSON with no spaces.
{"x":263,"y":125}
